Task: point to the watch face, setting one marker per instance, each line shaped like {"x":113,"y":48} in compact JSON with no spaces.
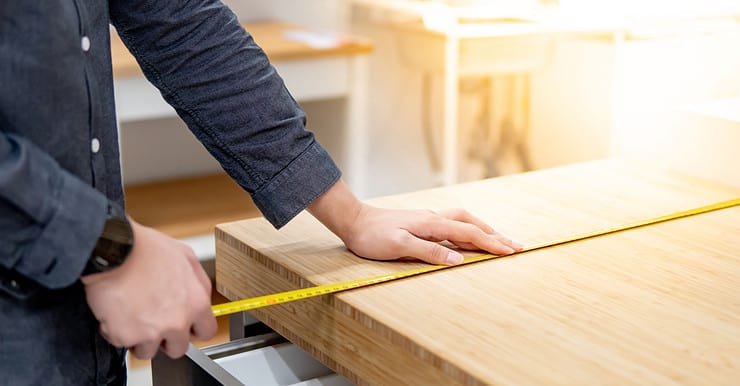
{"x":113,"y":247}
{"x":118,"y":230}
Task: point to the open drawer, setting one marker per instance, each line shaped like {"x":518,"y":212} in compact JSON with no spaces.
{"x":263,"y":360}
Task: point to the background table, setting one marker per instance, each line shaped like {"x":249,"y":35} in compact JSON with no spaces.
{"x":311,"y":73}
{"x":522,"y":85}
{"x":655,"y":305}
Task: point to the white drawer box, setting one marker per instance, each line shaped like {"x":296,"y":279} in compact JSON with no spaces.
{"x":265,"y":360}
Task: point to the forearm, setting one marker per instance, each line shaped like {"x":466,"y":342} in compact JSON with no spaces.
{"x":223,"y":86}
{"x":337,"y":209}
{"x":49,"y":218}
{"x":220,"y":83}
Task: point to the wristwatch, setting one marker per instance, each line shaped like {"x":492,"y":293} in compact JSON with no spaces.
{"x":114,"y":244}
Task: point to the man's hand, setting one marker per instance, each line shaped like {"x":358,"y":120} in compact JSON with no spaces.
{"x":388,"y":234}
{"x":158,"y":299}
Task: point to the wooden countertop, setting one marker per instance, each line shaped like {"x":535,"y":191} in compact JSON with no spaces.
{"x":271,"y":36}
{"x":655,"y":305}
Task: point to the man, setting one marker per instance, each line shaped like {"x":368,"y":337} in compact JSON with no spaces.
{"x":78,"y":280}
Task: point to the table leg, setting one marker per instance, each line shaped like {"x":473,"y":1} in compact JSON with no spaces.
{"x":356,"y":140}
{"x":450,"y":111}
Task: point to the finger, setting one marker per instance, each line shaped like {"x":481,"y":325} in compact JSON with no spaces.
{"x":465,"y":216}
{"x":430,"y":252}
{"x":500,"y":249}
{"x":506,"y":240}
{"x":498,"y":237}
{"x":461,"y":232}
{"x":176,"y":344}
{"x":201,"y":276}
{"x":146,"y":350}
{"x":466,"y":246}
{"x":204,"y":325}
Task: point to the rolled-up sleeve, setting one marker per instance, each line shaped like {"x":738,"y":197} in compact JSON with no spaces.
{"x":49,"y":218}
{"x":223,"y":86}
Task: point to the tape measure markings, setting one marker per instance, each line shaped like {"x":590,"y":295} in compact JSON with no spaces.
{"x":304,"y":293}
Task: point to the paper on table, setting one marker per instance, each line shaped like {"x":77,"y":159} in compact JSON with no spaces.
{"x":316,"y":39}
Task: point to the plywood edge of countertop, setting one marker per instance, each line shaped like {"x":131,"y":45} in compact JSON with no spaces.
{"x":329,"y":316}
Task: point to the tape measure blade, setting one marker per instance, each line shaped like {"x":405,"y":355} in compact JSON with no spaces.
{"x":303,"y":293}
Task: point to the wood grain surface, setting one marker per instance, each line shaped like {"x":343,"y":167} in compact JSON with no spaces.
{"x":270,"y":36}
{"x":655,"y":305}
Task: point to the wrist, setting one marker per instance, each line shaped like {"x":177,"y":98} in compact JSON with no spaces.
{"x":337,"y":209}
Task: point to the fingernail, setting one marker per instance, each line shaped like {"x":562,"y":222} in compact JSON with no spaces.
{"x":517,"y":246}
{"x":509,"y":250}
{"x":453,"y":258}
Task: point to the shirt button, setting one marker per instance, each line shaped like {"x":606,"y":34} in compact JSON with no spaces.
{"x":85,"y":43}
{"x":95,"y":145}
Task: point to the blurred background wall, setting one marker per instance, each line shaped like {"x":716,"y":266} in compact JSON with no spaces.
{"x":593,"y":95}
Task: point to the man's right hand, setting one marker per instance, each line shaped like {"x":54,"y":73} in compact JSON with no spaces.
{"x":158,"y":298}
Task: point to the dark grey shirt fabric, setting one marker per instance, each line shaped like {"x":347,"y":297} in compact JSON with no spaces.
{"x":59,"y":159}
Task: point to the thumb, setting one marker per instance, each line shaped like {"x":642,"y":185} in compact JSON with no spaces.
{"x":431,"y":252}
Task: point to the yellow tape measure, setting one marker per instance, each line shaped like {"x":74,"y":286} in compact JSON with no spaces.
{"x":304,"y":293}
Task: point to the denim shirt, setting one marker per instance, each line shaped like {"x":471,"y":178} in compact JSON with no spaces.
{"x":59,"y":158}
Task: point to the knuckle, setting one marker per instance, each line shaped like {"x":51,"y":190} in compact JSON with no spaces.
{"x":503,"y":240}
{"x":150,"y":351}
{"x":401,"y":238}
{"x":437,"y":254}
{"x":502,"y":237}
{"x":150,"y":335}
{"x":135,"y":351}
{"x":190,"y":254}
{"x":471,"y":232}
{"x":209,"y":329}
{"x":177,"y":351}
{"x":427,"y":215}
{"x":127,"y":339}
{"x":201,"y":312}
{"x":180,"y":325}
{"x":479,"y":233}
{"x":460,"y":213}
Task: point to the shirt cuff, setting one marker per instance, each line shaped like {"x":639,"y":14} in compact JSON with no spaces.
{"x":63,"y":248}
{"x":304,"y":180}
